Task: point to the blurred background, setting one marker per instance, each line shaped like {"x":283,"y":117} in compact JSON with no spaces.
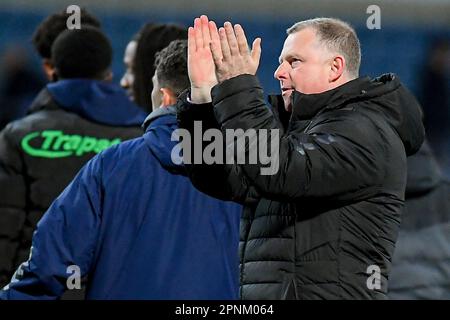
{"x":413,"y":42}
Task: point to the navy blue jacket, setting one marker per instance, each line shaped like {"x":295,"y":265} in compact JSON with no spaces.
{"x":132,"y":222}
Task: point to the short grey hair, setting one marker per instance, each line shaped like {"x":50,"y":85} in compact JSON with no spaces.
{"x":337,"y":36}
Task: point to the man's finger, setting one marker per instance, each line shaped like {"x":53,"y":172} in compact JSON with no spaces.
{"x":256,"y":50}
{"x":241,"y":40}
{"x":216,"y":49}
{"x":216,"y":54}
{"x":226,"y":54}
{"x":205,"y":31}
{"x":198,"y":33}
{"x":192,"y":47}
{"x":215,"y":39}
{"x":231,"y":38}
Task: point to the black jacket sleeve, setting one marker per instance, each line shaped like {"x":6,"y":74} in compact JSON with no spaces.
{"x":12,"y":202}
{"x":336,"y":158}
{"x":219,"y":180}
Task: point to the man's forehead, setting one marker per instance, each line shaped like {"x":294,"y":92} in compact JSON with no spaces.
{"x":130,"y":52}
{"x":291,"y":47}
{"x":296,"y":43}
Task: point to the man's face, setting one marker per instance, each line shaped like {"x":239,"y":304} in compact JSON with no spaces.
{"x":157,"y":96}
{"x":128,"y":77}
{"x":305,"y":66}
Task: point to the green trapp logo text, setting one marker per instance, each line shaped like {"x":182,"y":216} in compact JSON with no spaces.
{"x":56,"y":144}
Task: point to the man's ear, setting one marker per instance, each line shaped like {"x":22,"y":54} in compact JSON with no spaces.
{"x":337,"y":68}
{"x":168,"y":97}
{"x":49,"y":69}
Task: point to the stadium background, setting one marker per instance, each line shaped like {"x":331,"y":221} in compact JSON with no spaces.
{"x":408,"y":28}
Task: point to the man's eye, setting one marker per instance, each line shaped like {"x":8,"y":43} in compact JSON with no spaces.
{"x":295,"y":62}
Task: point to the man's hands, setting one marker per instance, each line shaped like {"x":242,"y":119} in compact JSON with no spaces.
{"x":231,"y":54}
{"x":217,"y":55}
{"x":201,"y":67}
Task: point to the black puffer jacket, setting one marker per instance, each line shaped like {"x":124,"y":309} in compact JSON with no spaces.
{"x":69,"y":122}
{"x":421,"y":262}
{"x":324,"y":225}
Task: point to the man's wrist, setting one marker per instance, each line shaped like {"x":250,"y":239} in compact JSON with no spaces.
{"x":200,"y":95}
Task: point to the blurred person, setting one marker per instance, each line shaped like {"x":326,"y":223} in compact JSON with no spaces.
{"x":127,"y":79}
{"x":16,"y":106}
{"x":69,"y":122}
{"x":49,"y":29}
{"x":421,"y":261}
{"x":20,"y":84}
{"x":323,"y":223}
{"x":132,"y":221}
{"x":435,"y":98}
{"x":139,"y":59}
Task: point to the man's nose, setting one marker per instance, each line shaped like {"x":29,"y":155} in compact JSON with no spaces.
{"x":281,"y":72}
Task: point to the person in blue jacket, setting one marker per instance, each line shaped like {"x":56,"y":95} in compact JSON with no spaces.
{"x":132,"y":222}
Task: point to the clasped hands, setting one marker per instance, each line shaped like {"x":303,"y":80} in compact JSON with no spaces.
{"x":215,"y":55}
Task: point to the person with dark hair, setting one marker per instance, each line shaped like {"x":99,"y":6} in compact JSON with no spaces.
{"x":127,"y":80}
{"x":23,"y":84}
{"x":49,"y":29}
{"x":84,"y":53}
{"x":140,"y":57}
{"x":169,"y":64}
{"x":132,"y":221}
{"x":69,"y":122}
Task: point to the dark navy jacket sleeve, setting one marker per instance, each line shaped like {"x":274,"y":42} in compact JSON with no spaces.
{"x":65,"y":240}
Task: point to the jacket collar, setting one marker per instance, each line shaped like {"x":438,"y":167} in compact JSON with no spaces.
{"x":43,"y":101}
{"x":96,"y":101}
{"x":306,"y":106}
{"x":157,"y":114}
